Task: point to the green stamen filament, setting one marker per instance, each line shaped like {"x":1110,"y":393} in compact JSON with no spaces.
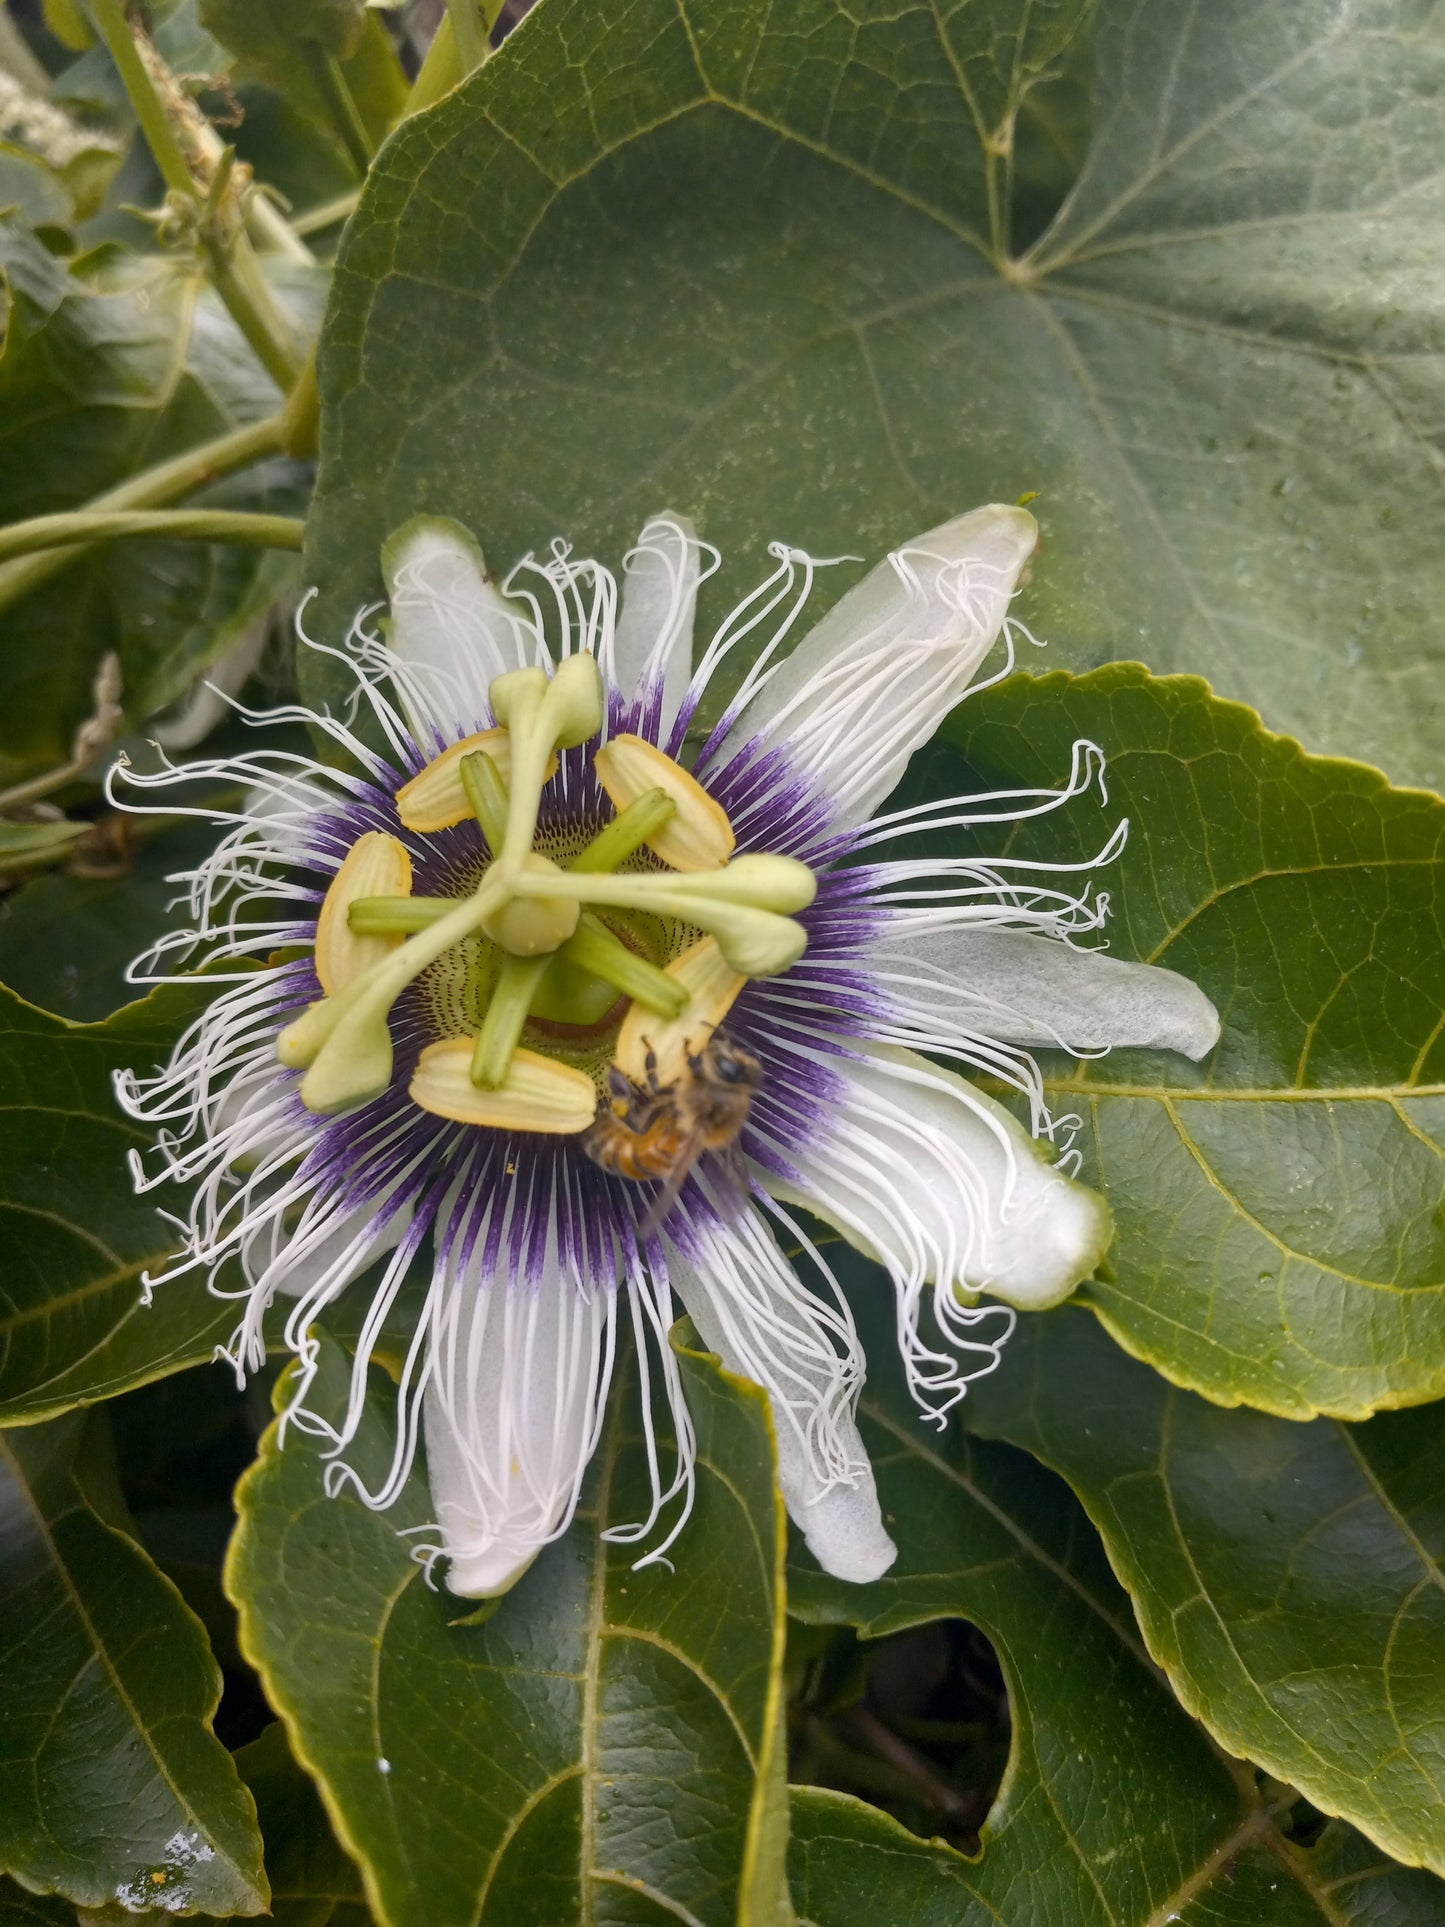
{"x":501,"y":1030}
{"x":534,"y":911}
{"x":540,"y":717}
{"x":386,"y":916}
{"x":592,"y":947}
{"x":772,"y":883}
{"x":487,"y":795}
{"x":627,"y":832}
{"x":345,"y":1040}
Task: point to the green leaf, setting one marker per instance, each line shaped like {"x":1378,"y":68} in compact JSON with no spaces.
{"x":73,"y":1327}
{"x":754,"y":262}
{"x":112,"y":1785}
{"x":605,"y":1740}
{"x":1112,"y":1795}
{"x":314,"y":1883}
{"x":854,"y":1867}
{"x":1115,"y":1807}
{"x":66,"y":19}
{"x":34,"y":846}
{"x":264,"y":32}
{"x":1279,"y":1208}
{"x":1287,"y":1577}
{"x":107,"y":368}
{"x":66,"y":941}
{"x":1369,"y":1891}
{"x":267,"y":37}
{"x":28,"y":184}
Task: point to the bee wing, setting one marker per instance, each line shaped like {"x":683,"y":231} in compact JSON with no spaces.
{"x":729,"y":1184}
{"x":666,"y":1198}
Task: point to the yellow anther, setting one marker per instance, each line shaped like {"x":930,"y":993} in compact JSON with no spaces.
{"x":376,"y":865}
{"x":436,"y":798}
{"x":698,"y":836}
{"x":712,"y":986}
{"x":538,"y":1093}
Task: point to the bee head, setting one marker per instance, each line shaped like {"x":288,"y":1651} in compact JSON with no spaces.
{"x":727,"y":1063}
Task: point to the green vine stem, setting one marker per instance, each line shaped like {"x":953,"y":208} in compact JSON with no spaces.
{"x":189,"y":525}
{"x":236,"y":275}
{"x":230,"y":259}
{"x":111,"y":25}
{"x":152,"y":488}
{"x":329,"y":214}
{"x":341,"y":108}
{"x":203,"y":147}
{"x":467,"y":35}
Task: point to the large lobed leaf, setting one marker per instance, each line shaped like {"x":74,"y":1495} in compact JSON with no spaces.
{"x":1287,"y":1577}
{"x":605,"y":1744}
{"x":1279,"y":1208}
{"x":756,"y":263}
{"x":112,"y":1786}
{"x":1115,"y":1808}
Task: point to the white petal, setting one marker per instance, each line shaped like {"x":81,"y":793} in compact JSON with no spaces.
{"x":878,"y":674}
{"x":754,"y":1311}
{"x":341,"y":1253}
{"x":512,"y":1410}
{"x":944,"y":1187}
{"x":452,"y":632}
{"x":652,"y":644}
{"x":1025,"y":989}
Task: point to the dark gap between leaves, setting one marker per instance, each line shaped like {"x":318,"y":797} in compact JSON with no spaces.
{"x":917,"y":1724}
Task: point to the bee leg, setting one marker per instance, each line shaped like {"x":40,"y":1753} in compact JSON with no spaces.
{"x":620,"y":1085}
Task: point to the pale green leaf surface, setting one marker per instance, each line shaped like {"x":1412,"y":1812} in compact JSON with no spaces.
{"x":603,"y":1746}
{"x":1279,"y":1207}
{"x":754,"y":264}
{"x":112,"y":1785}
{"x":1287,"y":1577}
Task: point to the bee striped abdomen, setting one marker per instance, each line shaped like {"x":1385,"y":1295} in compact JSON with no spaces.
{"x":627,"y":1153}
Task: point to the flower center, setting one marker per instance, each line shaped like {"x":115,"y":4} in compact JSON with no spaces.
{"x":566,"y":948}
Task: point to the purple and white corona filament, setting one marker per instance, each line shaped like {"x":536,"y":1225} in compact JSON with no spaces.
{"x":437,"y":955}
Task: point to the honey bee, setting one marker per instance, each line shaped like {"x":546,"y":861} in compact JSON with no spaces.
{"x":655,"y":1130}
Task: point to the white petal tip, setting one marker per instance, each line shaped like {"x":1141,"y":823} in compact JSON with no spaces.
{"x":843,"y":1528}
{"x":1198,"y":1030}
{"x":1048,"y":1257}
{"x":997,"y":532}
{"x":489,"y":1572}
{"x":425,"y":539}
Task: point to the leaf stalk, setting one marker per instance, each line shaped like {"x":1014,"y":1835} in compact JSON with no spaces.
{"x":152,"y":488}
{"x":187,"y":525}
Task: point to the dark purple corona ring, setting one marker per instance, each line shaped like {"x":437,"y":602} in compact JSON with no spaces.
{"x":445,"y":956}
